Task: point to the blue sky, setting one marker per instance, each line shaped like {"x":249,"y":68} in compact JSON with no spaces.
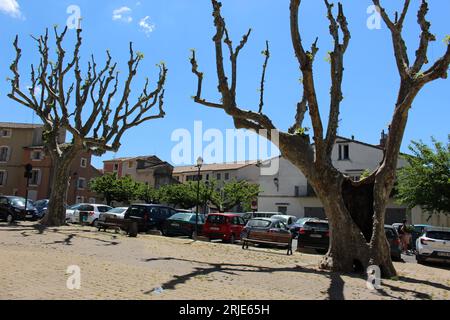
{"x":167,"y":30}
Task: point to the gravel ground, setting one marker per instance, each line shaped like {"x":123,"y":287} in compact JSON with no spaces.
{"x":33,"y":264}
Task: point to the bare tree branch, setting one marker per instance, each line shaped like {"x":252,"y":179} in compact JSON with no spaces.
{"x":337,"y":70}
{"x":306,"y":59}
{"x":266,"y":53}
{"x":100,"y":132}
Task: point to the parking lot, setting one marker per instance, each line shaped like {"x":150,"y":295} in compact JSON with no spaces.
{"x":34,"y":263}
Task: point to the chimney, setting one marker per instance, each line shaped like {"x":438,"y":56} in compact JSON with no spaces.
{"x":383,"y":139}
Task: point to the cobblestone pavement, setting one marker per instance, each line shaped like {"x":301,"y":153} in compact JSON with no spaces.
{"x":33,"y":264}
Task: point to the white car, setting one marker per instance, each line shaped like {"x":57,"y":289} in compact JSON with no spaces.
{"x":117,"y":212}
{"x":92,"y":212}
{"x":433,"y":245}
{"x":70,"y":210}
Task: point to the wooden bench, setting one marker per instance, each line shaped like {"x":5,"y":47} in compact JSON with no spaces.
{"x":127,"y":225}
{"x":288,"y":244}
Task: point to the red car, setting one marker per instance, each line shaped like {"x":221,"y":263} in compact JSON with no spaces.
{"x":224,"y":226}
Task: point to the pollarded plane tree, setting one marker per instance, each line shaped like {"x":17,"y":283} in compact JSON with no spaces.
{"x":93,"y":108}
{"x":356,"y":210}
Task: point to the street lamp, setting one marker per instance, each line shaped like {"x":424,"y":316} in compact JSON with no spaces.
{"x":199,"y":166}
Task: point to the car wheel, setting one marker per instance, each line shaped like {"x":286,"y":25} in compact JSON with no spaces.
{"x":420,"y":259}
{"x":9,"y":218}
{"x":232,"y":238}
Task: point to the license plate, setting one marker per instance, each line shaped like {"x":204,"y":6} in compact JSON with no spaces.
{"x":29,"y":216}
{"x":215,"y":229}
{"x":316,"y":236}
{"x":175,"y":225}
{"x":443,"y":254}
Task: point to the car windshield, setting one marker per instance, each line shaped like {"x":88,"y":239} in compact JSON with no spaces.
{"x":74,"y":206}
{"x":116,"y":210}
{"x":282,"y":218}
{"x":216,"y":219}
{"x":317,"y":225}
{"x":258,"y":223}
{"x":20,"y":202}
{"x":301,"y":221}
{"x":390,"y":233}
{"x":40,"y":203}
{"x":201,"y":218}
{"x":438,"y":235}
{"x":103,"y":209}
{"x":183,"y":217}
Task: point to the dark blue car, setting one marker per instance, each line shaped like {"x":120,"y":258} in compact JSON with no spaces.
{"x":41,"y":207}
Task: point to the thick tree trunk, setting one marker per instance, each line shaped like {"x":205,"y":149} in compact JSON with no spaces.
{"x":357,"y":237}
{"x":56,"y":213}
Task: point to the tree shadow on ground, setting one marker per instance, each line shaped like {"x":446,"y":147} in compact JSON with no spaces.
{"x":335,"y":290}
{"x":75,"y":232}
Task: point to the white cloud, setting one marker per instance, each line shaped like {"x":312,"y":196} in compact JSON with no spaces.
{"x":11,"y":7}
{"x":146,"y":26}
{"x":122,"y":14}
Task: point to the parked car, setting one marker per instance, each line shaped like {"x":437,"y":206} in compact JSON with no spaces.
{"x":286,"y":219}
{"x":118,"y":213}
{"x":246,"y":216}
{"x":264,"y":214}
{"x":13,"y":208}
{"x":70,"y":211}
{"x":183,"y":224}
{"x":418,"y":231}
{"x":149,"y":216}
{"x":295,"y":228}
{"x":314,"y":234}
{"x":41,"y":207}
{"x":225,"y":226}
{"x":267,"y":230}
{"x":433,"y":245}
{"x":394,"y":242}
{"x":92,"y":213}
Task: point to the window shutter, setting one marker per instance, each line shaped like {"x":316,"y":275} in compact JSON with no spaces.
{"x":39,"y":177}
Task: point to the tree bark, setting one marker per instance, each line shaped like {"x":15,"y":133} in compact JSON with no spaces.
{"x":357,"y":237}
{"x":56,"y":213}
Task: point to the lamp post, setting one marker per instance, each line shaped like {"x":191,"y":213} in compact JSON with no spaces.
{"x":199,"y":166}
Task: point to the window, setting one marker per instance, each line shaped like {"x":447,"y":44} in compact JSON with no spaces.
{"x":130,"y":164}
{"x":282,"y":209}
{"x":92,"y":200}
{"x":83,"y":163}
{"x":116,"y":167}
{"x":344,"y":152}
{"x":5,"y":133}
{"x":81,"y":183}
{"x":3,"y":178}
{"x":227,"y":176}
{"x":35,"y":179}
{"x":4,"y":154}
{"x":219,"y":176}
{"x":79,"y":200}
{"x":207,"y":177}
{"x":37,"y":155}
{"x":297,"y":191}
